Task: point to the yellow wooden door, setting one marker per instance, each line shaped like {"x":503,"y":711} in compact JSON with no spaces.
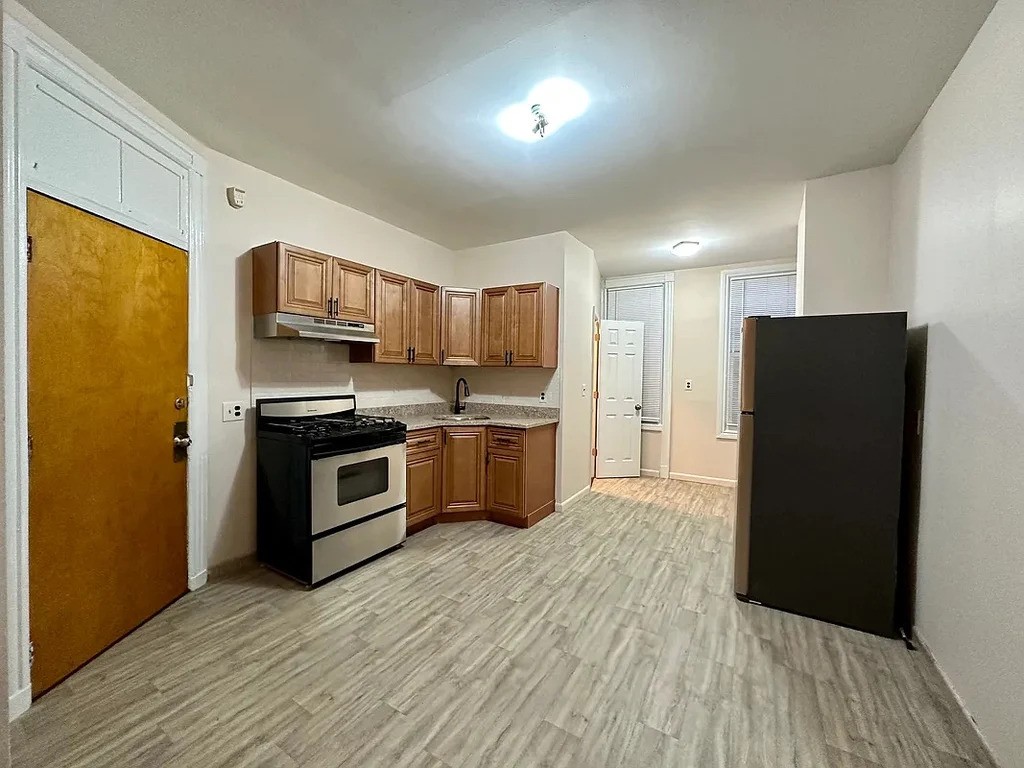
{"x":107,"y":358}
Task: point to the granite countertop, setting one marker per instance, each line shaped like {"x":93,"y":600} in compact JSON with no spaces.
{"x":421,"y":416}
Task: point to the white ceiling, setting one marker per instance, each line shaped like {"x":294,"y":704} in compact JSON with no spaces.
{"x":706,"y":116}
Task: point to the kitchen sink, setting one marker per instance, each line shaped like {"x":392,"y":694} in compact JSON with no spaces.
{"x":461,"y":417}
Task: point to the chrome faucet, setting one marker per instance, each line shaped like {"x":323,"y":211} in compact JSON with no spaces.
{"x":460,"y":406}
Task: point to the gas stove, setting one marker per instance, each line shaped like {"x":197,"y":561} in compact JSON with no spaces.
{"x":330,"y":486}
{"x":328,"y":425}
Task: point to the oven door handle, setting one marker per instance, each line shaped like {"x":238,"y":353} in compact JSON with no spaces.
{"x":327,"y":453}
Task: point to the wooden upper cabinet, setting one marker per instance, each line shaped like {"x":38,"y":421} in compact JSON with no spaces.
{"x":407,"y":322}
{"x":352,"y":288}
{"x":286,"y":278}
{"x":496,"y":322}
{"x":464,"y":476}
{"x":393,"y":318}
{"x":520,"y":326}
{"x":425,"y":323}
{"x":460,"y":326}
{"x":527,"y":325}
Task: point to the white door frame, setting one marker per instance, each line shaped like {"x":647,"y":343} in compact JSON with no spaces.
{"x":23,"y":50}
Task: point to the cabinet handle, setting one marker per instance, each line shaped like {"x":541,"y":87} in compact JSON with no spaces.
{"x":330,"y":307}
{"x":442,"y":357}
{"x":413,"y":358}
{"x":511,"y":357}
{"x":408,"y":354}
{"x":337,"y":306}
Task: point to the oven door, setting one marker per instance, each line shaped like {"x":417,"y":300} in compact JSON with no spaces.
{"x":347,"y":488}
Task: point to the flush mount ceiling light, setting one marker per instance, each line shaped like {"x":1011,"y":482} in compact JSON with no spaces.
{"x":685,"y":249}
{"x":550,"y":105}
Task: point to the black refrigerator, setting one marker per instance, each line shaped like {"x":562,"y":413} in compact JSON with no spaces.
{"x":820,"y":446}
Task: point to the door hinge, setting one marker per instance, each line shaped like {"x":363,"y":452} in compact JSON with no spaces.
{"x":31,"y":653}
{"x":30,"y":446}
{"x":596,"y":394}
{"x":597,"y":337}
{"x":28,"y":250}
{"x":593,"y":451}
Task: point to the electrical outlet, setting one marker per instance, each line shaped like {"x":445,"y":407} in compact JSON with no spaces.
{"x":688,"y":385}
{"x":233,"y":411}
{"x":542,"y":396}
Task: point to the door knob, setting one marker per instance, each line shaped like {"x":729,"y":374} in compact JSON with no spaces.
{"x":638,"y":407}
{"x":181,"y":440}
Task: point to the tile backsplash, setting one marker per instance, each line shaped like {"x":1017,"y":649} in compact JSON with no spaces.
{"x":285,"y":367}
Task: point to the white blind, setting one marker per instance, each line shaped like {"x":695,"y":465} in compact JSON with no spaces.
{"x":647,"y":305}
{"x":772,"y":294}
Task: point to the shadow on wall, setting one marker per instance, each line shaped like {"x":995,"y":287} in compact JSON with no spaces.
{"x":910,"y":513}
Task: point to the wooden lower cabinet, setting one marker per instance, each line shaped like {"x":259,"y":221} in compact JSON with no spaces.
{"x":521,"y":475}
{"x":480,"y":473}
{"x":423,"y":479}
{"x":505,"y":482}
{"x":464,"y":450}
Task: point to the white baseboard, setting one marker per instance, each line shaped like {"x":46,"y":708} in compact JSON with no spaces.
{"x":649,"y":473}
{"x":560,"y":505}
{"x":19,"y":702}
{"x":702,"y":479}
{"x":197,"y":581}
{"x":921,"y":641}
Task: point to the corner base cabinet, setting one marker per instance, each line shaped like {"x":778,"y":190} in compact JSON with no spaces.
{"x":457,"y":474}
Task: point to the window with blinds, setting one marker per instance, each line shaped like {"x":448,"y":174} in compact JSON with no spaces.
{"x":646,"y":304}
{"x":751,"y":294}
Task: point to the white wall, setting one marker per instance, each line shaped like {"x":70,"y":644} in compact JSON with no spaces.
{"x":958,"y":265}
{"x":844,"y":238}
{"x":561,"y":260}
{"x":242,"y":368}
{"x":580,"y":296}
{"x":532,"y":259}
{"x":697,"y":452}
{"x":5,"y":733}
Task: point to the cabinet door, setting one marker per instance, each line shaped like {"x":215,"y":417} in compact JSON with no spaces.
{"x":392,"y":324}
{"x":527,"y":324}
{"x":505,"y":482}
{"x":425,"y":320}
{"x":497,"y":320}
{"x":422,"y":486}
{"x":303,"y":281}
{"x":464,"y":470}
{"x":460,"y":326}
{"x":352,"y":289}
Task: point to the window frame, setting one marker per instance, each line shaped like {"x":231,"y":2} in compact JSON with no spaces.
{"x":769,"y":270}
{"x":667,"y":281}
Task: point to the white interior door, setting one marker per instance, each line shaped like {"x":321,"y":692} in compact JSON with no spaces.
{"x":619,"y":382}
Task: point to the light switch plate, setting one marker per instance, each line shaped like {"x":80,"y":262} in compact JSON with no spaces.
{"x":233,"y":411}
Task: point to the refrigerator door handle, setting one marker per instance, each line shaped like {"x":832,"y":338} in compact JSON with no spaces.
{"x":744,"y":492}
{"x":748,"y":348}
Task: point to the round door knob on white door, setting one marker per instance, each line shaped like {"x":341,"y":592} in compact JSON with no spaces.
{"x":638,"y":407}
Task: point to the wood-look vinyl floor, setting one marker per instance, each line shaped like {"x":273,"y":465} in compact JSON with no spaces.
{"x":607,"y":635}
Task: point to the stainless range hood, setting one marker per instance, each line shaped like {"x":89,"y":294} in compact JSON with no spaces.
{"x":286,"y":326}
